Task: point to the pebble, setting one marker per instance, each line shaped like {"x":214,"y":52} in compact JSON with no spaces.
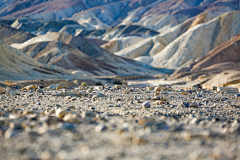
{"x":100,"y":128}
{"x":194,"y":104}
{"x":62,"y":86}
{"x":214,"y":88}
{"x":237,"y":96}
{"x":146,"y":104}
{"x":2,"y":90}
{"x":127,"y":91}
{"x":16,"y":93}
{"x":73,"y":118}
{"x":52,"y":87}
{"x":184,"y":93}
{"x":39,"y":90}
{"x":60,"y":113}
{"x":9,"y":133}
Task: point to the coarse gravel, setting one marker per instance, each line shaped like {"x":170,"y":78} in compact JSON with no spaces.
{"x":118,"y":122}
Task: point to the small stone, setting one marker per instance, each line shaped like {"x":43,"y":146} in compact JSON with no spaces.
{"x":127,"y":91}
{"x":26,"y":112}
{"x":117,"y":87}
{"x":156,"y":98}
{"x":46,"y":155}
{"x":160,"y":102}
{"x":2,"y":90}
{"x":101,"y":95}
{"x":146,"y":104}
{"x":40,"y":87}
{"x":29,"y":87}
{"x":84,"y":84}
{"x":185,"y":104}
{"x":52,"y":87}
{"x":194,"y":104}
{"x":214,"y":88}
{"x":184,"y":93}
{"x":158,"y":88}
{"x":51,"y":120}
{"x":15,"y":125}
{"x":62,"y":86}
{"x":151,"y":88}
{"x":14,"y":116}
{"x":85,"y":150}
{"x":9,"y":133}
{"x":39,"y":91}
{"x":138,"y":140}
{"x":237,"y":96}
{"x":60,"y":113}
{"x":100,"y":128}
{"x":73,"y":118}
{"x":68,"y":97}
{"x":16,"y":93}
{"x":197,"y":86}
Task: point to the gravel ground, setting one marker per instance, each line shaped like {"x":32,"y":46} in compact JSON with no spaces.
{"x":118,"y":122}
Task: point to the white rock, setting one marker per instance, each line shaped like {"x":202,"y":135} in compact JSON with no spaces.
{"x":60,"y":113}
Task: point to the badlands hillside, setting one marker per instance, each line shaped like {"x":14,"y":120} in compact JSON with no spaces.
{"x":141,"y":38}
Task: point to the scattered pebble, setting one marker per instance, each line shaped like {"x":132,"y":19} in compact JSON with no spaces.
{"x":146,"y":104}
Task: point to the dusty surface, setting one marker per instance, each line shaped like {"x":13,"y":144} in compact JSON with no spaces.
{"x":118,"y":122}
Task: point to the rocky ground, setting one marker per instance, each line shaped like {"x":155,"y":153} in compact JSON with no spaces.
{"x":118,"y":122}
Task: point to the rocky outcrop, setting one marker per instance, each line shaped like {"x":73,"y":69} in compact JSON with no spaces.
{"x":15,"y":65}
{"x":198,"y":41}
{"x":75,"y":53}
{"x":157,"y":43}
{"x":10,"y":35}
{"x":220,"y":67}
{"x":226,"y":52}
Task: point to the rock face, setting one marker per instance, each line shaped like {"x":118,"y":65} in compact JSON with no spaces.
{"x":220,"y":67}
{"x":154,"y":45}
{"x":15,"y":65}
{"x":194,"y":43}
{"x":226,"y":52}
{"x":10,"y":35}
{"x":75,"y":53}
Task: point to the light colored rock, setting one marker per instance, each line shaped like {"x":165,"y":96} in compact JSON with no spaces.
{"x":2,"y":90}
{"x":62,"y":86}
{"x":139,"y":49}
{"x":60,"y":113}
{"x":194,"y":44}
{"x":73,"y":118}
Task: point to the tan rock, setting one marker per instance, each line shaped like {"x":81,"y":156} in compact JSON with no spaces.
{"x":73,"y":118}
{"x":60,"y":113}
{"x":2,"y":90}
{"x":62,"y":86}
